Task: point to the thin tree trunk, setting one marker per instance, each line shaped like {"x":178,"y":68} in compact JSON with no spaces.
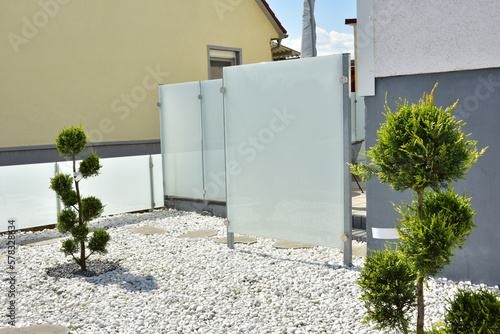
{"x":420,"y":207}
{"x":420,"y":279}
{"x":420,"y":305}
{"x":83,"y":265}
{"x":83,"y":262}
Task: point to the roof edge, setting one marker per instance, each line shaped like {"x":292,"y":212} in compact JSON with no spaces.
{"x":272,"y":18}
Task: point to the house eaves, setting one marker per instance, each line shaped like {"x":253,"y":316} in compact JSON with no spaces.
{"x":272,"y":18}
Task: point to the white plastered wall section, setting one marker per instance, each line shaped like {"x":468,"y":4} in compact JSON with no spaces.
{"x":365,"y":63}
{"x":428,"y":36}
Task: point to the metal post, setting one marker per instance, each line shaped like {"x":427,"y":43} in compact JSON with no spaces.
{"x":58,"y":202}
{"x":230,"y":239}
{"x":151,"y":183}
{"x":163,"y":116}
{"x":346,"y":71}
{"x":230,"y":235}
{"x":205,"y":201}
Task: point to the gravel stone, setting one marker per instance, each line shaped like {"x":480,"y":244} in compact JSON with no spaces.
{"x":70,"y":270}
{"x":159,"y":283}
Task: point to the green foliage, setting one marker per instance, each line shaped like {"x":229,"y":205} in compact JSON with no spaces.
{"x":91,"y":208}
{"x":90,"y":166}
{"x":71,"y":141}
{"x":98,"y":241}
{"x":436,"y":330}
{"x":62,"y":184}
{"x":66,"y":220}
{"x":474,"y":312}
{"x":69,"y":247}
{"x":80,"y":232}
{"x":78,"y":211}
{"x":447,"y":220}
{"x":420,"y":146}
{"x":387,"y":282}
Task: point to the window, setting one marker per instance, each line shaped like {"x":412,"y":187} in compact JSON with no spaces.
{"x":220,"y":57}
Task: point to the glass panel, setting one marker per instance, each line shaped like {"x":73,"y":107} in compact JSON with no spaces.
{"x":158,"y":180}
{"x":213,"y":140}
{"x":25,"y":195}
{"x":360,"y":124}
{"x":122,"y":185}
{"x":353,"y":117}
{"x":284,"y":150}
{"x":180,"y":119}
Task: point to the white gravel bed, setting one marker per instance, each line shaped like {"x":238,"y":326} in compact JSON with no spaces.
{"x":168,"y":284}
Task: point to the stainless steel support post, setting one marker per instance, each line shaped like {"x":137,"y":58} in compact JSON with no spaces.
{"x":204,"y":192}
{"x":230,"y":235}
{"x":347,"y":237}
{"x":230,"y":239}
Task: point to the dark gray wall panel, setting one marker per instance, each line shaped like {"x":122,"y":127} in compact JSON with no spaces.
{"x":48,"y":153}
{"x":479,"y":95}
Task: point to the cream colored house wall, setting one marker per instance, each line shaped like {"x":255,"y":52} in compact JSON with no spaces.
{"x":100,"y":61}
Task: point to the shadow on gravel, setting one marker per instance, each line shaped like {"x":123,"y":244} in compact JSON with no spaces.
{"x":273,"y":259}
{"x":105,"y":273}
{"x":122,"y":278}
{"x":71,"y":270}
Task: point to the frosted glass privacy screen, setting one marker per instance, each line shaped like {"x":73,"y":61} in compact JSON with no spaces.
{"x":192,"y":140}
{"x":123,"y":184}
{"x":25,"y":195}
{"x":181,"y":141}
{"x":285,"y":150}
{"x":158,"y":181}
{"x":213,"y":140}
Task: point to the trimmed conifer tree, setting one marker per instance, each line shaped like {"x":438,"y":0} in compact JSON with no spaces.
{"x":422,"y":148}
{"x":78,"y":210}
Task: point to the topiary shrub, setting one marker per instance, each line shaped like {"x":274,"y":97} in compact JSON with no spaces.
{"x":474,"y":312}
{"x":78,"y":210}
{"x":387,"y":282}
{"x":419,"y":147}
{"x":428,"y":242}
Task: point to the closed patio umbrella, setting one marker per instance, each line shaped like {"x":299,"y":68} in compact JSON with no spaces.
{"x":308,"y":48}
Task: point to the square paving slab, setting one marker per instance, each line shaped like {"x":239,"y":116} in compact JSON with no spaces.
{"x":199,"y":234}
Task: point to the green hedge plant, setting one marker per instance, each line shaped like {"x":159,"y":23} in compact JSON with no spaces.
{"x":474,"y":312}
{"x":388,"y":284}
{"x":421,"y":147}
{"x":78,"y":210}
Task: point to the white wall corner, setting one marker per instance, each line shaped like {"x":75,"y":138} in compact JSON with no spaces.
{"x":365,"y":48}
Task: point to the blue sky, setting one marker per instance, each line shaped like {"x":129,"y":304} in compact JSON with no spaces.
{"x":332,"y":35}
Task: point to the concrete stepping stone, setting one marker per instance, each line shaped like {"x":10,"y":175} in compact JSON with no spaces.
{"x":41,"y":242}
{"x":149,"y":230}
{"x":199,"y":234}
{"x":238,"y":240}
{"x":38,"y":329}
{"x":359,"y":251}
{"x":2,"y":257}
{"x":291,"y":245}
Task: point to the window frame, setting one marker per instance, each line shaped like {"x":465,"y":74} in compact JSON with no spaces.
{"x":237,"y":58}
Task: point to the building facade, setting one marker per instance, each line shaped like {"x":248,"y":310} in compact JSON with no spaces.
{"x":100,"y":63}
